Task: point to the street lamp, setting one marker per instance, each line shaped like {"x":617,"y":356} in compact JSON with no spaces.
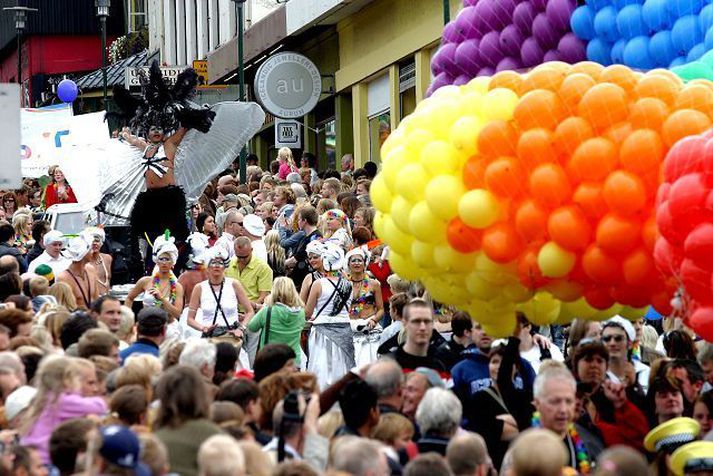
{"x":20,"y":24}
{"x":103,"y":13}
{"x":239,"y":4}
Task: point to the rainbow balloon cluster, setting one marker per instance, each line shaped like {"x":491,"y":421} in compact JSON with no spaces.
{"x":645,"y":34}
{"x":537,"y":190}
{"x":489,"y":36}
{"x":685,"y":220}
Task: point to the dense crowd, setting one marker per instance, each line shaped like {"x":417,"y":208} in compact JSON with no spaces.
{"x":287,"y":346}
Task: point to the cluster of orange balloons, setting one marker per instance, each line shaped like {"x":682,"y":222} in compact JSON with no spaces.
{"x":566,"y":188}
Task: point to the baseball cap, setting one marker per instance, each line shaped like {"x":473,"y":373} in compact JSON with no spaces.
{"x":18,"y":401}
{"x":253,"y":224}
{"x":151,"y":321}
{"x":121,"y":447}
{"x":231,"y":197}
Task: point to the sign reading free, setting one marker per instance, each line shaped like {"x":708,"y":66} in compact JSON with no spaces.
{"x":288,"y":85}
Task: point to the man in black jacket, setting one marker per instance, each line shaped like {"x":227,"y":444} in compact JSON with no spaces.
{"x":7,"y":241}
{"x":307,"y":219}
{"x":39,"y":228}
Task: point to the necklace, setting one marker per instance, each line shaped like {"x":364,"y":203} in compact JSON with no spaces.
{"x":172,"y":284}
{"x":576,"y":446}
{"x":86,"y":298}
{"x":97,"y":262}
{"x":359,"y":301}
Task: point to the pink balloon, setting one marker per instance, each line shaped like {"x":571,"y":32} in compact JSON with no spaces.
{"x":685,"y":157}
{"x":687,"y":196}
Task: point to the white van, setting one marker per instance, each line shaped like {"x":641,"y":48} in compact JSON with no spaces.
{"x":69,"y":218}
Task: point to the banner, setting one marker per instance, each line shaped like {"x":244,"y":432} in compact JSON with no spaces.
{"x":50,"y":133}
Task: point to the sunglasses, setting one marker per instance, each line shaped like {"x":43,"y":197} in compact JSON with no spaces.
{"x":242,"y":258}
{"x":617,"y":339}
{"x":217,"y":264}
{"x":164,"y":260}
{"x":356,"y":260}
{"x":313,"y":257}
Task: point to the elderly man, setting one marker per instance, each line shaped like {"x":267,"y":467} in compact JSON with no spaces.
{"x":438,"y":417}
{"x":555,"y":400}
{"x":467,"y":455}
{"x":417,"y":384}
{"x":386,"y":378}
{"x":52,"y":256}
{"x":201,"y":355}
{"x":232,"y":228}
{"x":254,"y":230}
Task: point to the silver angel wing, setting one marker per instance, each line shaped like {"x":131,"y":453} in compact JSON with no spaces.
{"x":109,"y":176}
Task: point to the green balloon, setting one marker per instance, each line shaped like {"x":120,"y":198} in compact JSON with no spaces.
{"x":695,"y":70}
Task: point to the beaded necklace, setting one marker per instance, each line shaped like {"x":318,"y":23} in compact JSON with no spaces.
{"x":575,"y":441}
{"x":359,"y":302}
{"x":172,"y":284}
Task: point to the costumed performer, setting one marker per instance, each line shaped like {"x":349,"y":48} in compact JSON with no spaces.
{"x":101,"y":261}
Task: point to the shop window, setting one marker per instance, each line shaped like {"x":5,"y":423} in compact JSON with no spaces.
{"x":379,"y":131}
{"x":330,"y":143}
{"x":407,"y":88}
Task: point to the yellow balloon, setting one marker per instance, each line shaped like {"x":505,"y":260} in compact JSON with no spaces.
{"x":516,"y":292}
{"x":447,"y":92}
{"x":565,"y":290}
{"x":464,"y":135}
{"x":500,"y":326}
{"x":439,"y":157}
{"x":395,"y":238}
{"x":633,"y":313}
{"x":422,"y":254}
{"x":495,"y":273}
{"x":554,"y":261}
{"x":442,"y":195}
{"x":426,"y":226}
{"x":578,"y":309}
{"x":543,"y":309}
{"x":479,"y":288}
{"x":411,"y":182}
{"x":404,"y":267}
{"x":380,"y":194}
{"x":478,"y":208}
{"x":394,"y":139}
{"x":449,"y":259}
{"x":400,"y":211}
{"x":499,"y":104}
{"x":607,"y":313}
{"x":477,"y":85}
{"x":415,"y":141}
{"x":379,"y":222}
{"x":393,"y":164}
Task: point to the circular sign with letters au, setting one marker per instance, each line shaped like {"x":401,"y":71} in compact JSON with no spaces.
{"x":288,"y":85}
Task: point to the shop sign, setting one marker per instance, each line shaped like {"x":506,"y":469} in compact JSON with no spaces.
{"x":287,"y":134}
{"x":201,"y":68}
{"x":288,"y":85}
{"x":10,"y":158}
{"x":170,"y":74}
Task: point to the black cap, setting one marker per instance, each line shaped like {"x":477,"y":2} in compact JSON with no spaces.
{"x":151,"y":321}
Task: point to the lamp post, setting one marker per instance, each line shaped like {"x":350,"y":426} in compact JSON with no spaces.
{"x":20,"y":24}
{"x":103,"y":12}
{"x":239,"y":5}
{"x":446,"y":12}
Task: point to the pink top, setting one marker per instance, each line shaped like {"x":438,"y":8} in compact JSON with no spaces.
{"x":66,"y":407}
{"x":284,"y":170}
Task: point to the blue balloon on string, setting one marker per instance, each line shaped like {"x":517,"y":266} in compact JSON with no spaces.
{"x":617,"y":51}
{"x":599,"y":4}
{"x":681,"y":8}
{"x":706,"y":17}
{"x":636,"y":53}
{"x":678,"y":61}
{"x":67,"y":90}
{"x":656,"y":15}
{"x":582,"y":22}
{"x":686,"y":33}
{"x":661,"y":48}
{"x":696,"y":52}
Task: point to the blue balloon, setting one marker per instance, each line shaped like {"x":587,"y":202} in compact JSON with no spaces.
{"x":630,"y":23}
{"x":661,"y":49}
{"x":617,"y":51}
{"x":67,"y":90}
{"x":599,"y":4}
{"x":636,"y":53}
{"x":706,"y":17}
{"x":679,"y":61}
{"x":686,"y":33}
{"x":599,"y":51}
{"x":656,"y":16}
{"x":619,"y":4}
{"x":582,"y":22}
{"x":696,"y":52}
{"x":708,"y":57}
{"x":708,"y":40}
{"x":652,"y":314}
{"x":681,"y":8}
{"x":605,"y":24}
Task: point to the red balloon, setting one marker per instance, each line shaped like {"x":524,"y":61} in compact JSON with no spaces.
{"x":665,"y":222}
{"x":699,"y":246}
{"x":599,"y":298}
{"x":668,"y":257}
{"x":462,"y":237}
{"x":702,"y":322}
{"x":687,"y":200}
{"x":683,"y":158}
{"x":697,"y":282}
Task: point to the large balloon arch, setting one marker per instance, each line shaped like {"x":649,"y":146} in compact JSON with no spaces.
{"x":532,"y":180}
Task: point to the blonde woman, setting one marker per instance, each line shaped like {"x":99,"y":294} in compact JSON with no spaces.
{"x":336,"y":228}
{"x":62,"y":292}
{"x":275,"y":253}
{"x":287,"y":163}
{"x":53,"y":321}
{"x":282,"y":318}
{"x":22,"y":223}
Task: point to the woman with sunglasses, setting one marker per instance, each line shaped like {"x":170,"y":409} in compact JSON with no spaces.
{"x":366,"y":309}
{"x":58,"y":191}
{"x":162,"y":289}
{"x":214,"y":302}
{"x":9,"y":203}
{"x":314,"y":251}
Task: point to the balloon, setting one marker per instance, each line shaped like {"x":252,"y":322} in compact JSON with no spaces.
{"x":686,"y":33}
{"x":656,"y":15}
{"x":478,"y":208}
{"x":636,"y":53}
{"x":702,"y":322}
{"x":661,"y":48}
{"x":582,"y":22}
{"x":605,"y":24}
{"x":555,"y":261}
{"x":630,"y":22}
{"x":67,"y":90}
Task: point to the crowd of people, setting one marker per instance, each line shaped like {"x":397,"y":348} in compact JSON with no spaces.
{"x":287,"y":346}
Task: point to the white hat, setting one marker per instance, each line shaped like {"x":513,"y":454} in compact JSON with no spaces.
{"x":333,"y":257}
{"x":94,"y":232}
{"x":216,"y":253}
{"x":253,"y":224}
{"x":18,"y":401}
{"x":199,"y":245}
{"x":358,"y":252}
{"x":624,"y":324}
{"x":53,"y":236}
{"x":165,"y":244}
{"x":315,"y":247}
{"x":77,"y":248}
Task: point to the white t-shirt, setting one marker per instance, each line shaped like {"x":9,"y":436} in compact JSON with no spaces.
{"x":259,"y":249}
{"x":533,"y":356}
{"x":57,"y":264}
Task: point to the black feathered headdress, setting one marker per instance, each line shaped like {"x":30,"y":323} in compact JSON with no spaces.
{"x":160,"y":105}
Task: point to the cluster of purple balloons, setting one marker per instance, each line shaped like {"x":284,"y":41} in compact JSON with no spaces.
{"x":488,"y":36}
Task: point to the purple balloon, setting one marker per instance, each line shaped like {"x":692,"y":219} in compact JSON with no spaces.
{"x":559,"y":12}
{"x":482,"y":17}
{"x":487,"y":71}
{"x":444,"y":58}
{"x":470,"y":3}
{"x":462,"y":79}
{"x":467,"y":23}
{"x":511,"y":41}
{"x":544,"y":33}
{"x":531,"y":53}
{"x":439,"y":81}
{"x":552,"y":55}
{"x":523,"y":16}
{"x":539,"y":5}
{"x":493,"y":15}
{"x":503,"y":10}
{"x":490,"y":49}
{"x":468,"y":58}
{"x":572,"y":49}
{"x":508,"y":64}
{"x":452,"y":34}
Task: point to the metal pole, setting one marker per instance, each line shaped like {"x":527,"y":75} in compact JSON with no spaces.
{"x":19,"y":57}
{"x":241,"y":83}
{"x":446,"y":12}
{"x":102,"y":20}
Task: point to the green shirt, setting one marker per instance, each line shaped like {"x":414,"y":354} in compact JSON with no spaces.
{"x":256,"y":277}
{"x":286,"y":326}
{"x":183,"y":443}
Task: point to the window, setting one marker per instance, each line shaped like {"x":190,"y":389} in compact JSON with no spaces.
{"x":379,"y":115}
{"x":136,"y":14}
{"x":407,"y":89}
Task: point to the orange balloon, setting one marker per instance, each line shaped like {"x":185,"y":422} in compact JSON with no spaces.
{"x":683,"y":123}
{"x":539,"y":108}
{"x":565,"y":290}
{"x":599,"y":298}
{"x":569,"y":228}
{"x":617,"y":235}
{"x":504,"y":177}
{"x":639,"y":268}
{"x":618,"y":132}
{"x":657,"y":86}
{"x":588,"y":196}
{"x":604,"y":105}
{"x":474,"y":172}
{"x":508,"y":80}
{"x":619,"y":75}
{"x":536,"y":147}
{"x":528,"y":270}
{"x":531,"y":221}
{"x":624,"y":193}
{"x":695,"y":96}
{"x":544,"y":78}
{"x":501,"y":243}
{"x":648,"y":113}
{"x":570,"y":133}
{"x":496,"y":139}
{"x":549,"y":185}
{"x":600,"y":267}
{"x":573,"y":89}
{"x":594,"y":159}
{"x":642,"y":152}
{"x":590,"y":68}
{"x":668,"y":74}
{"x":649,"y":233}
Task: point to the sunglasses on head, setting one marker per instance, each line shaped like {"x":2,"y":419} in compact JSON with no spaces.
{"x":616,"y":338}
